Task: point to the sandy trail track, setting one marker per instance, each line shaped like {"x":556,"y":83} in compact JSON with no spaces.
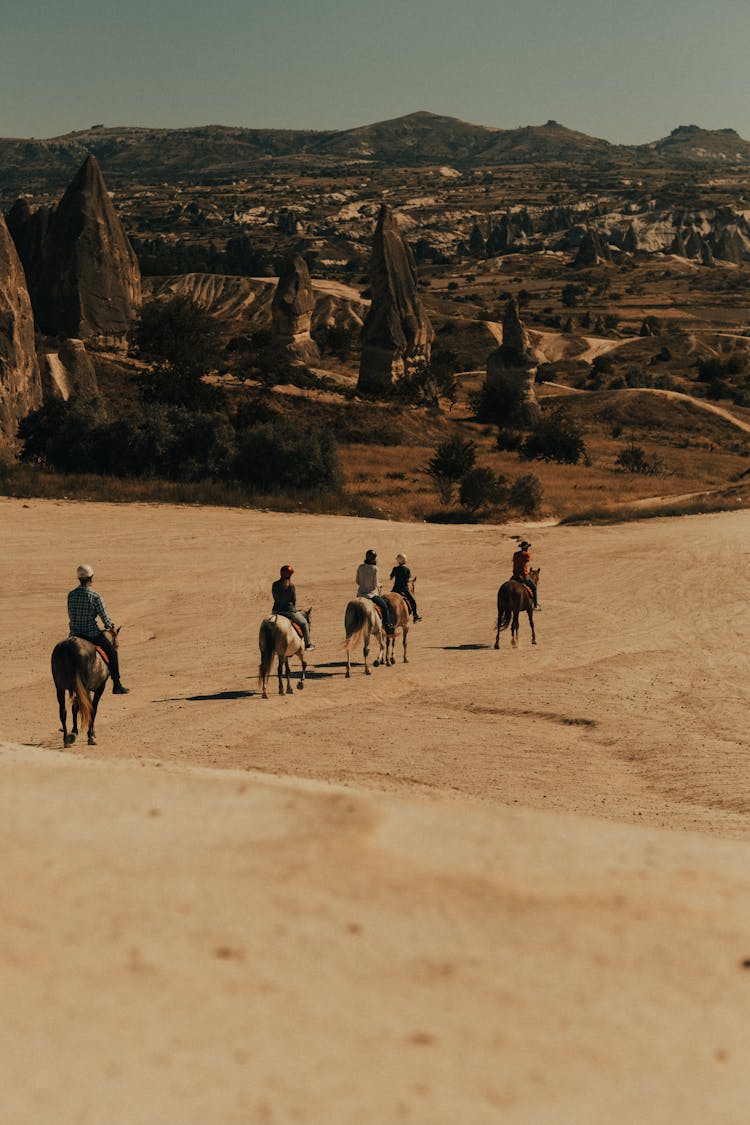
{"x":462,"y":898}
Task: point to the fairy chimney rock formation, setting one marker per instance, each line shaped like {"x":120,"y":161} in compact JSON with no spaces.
{"x":593,"y":249}
{"x":511,"y":371}
{"x":291,"y":313}
{"x":397,"y":334}
{"x":20,"y":385}
{"x":69,"y":371}
{"x":84,"y":280}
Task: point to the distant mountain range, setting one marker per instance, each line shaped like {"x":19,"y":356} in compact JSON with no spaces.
{"x":132,"y":154}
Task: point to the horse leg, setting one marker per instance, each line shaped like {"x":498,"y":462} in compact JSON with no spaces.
{"x":288,"y":676}
{"x":281,"y":674}
{"x":404,"y":636}
{"x":514,"y":629}
{"x":67,"y":738}
{"x":94,"y":707}
{"x":74,"y":713}
{"x":531,"y":623}
{"x":301,"y":683}
{"x":390,"y":645}
{"x":366,"y":650}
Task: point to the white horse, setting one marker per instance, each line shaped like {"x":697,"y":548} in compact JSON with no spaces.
{"x":362,"y":620}
{"x":279,"y":638}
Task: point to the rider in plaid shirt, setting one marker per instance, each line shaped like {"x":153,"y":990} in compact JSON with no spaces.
{"x":84,"y":606}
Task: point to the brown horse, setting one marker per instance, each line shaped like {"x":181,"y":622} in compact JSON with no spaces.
{"x":362,"y":621}
{"x":278,"y":638}
{"x":514,"y":598}
{"x":77,"y":668}
{"x":400,"y":615}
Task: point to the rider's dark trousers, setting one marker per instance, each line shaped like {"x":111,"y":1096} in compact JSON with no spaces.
{"x":387,"y":623}
{"x":410,"y":599}
{"x":104,"y":642}
{"x":532,"y":586}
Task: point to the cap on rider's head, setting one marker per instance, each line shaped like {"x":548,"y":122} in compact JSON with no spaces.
{"x":401,"y":559}
{"x":286,"y":571}
{"x":524,"y":545}
{"x":85,"y":571}
{"x":370,"y":556}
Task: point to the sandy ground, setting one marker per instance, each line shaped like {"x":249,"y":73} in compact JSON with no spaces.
{"x":484,"y":886}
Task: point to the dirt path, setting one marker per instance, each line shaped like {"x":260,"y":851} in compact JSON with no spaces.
{"x":481,"y":886}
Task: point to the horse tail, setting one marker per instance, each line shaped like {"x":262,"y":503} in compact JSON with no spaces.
{"x":267,"y":643}
{"x":80,"y":695}
{"x":503,"y":608}
{"x":355,"y":623}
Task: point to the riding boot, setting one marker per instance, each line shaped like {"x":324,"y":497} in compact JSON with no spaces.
{"x":114,"y":671}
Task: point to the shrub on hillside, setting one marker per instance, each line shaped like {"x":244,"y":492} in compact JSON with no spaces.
{"x":450,"y":462}
{"x":177,"y":332}
{"x":526,"y":494}
{"x":170,"y":442}
{"x":633,"y":459}
{"x":279,"y":455}
{"x":482,"y":488}
{"x":555,"y":438}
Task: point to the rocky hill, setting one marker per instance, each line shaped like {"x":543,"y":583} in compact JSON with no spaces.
{"x":212,"y":152}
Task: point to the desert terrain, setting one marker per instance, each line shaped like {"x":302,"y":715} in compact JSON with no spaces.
{"x":483,"y":886}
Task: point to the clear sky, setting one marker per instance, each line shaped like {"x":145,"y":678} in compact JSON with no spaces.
{"x":629,"y":70}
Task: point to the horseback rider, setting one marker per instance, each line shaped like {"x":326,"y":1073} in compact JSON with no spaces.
{"x":84,"y":606}
{"x":368,"y":586}
{"x":285,"y":603}
{"x":401,"y":575}
{"x":521,"y":566}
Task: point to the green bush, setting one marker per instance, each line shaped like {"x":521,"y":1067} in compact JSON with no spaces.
{"x":555,"y":438}
{"x":482,"y":488}
{"x":177,"y":332}
{"x":526,"y":494}
{"x":170,"y":442}
{"x":279,"y":455}
{"x":633,"y":459}
{"x":451,"y":461}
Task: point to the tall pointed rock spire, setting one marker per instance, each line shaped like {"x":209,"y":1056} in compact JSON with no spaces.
{"x":397,"y":334}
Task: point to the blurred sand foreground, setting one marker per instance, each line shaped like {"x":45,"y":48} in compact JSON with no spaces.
{"x":484,"y":887}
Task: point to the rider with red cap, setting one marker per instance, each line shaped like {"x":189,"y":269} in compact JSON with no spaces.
{"x":285,"y":602}
{"x":521,"y":566}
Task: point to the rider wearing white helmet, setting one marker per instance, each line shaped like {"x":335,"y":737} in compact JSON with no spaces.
{"x":84,"y":606}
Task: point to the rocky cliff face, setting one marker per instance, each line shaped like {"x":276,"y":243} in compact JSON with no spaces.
{"x":397,"y":334}
{"x":291,"y":313}
{"x":83,"y":276}
{"x":20,"y":385}
{"x":511,"y":372}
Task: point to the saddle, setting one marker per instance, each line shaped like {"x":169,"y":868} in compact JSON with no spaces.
{"x":102,"y":653}
{"x":297,"y":627}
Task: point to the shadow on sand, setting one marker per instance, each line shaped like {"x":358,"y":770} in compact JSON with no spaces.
{"x":220,"y":695}
{"x":460,"y":648}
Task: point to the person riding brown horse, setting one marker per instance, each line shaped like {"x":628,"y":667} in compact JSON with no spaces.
{"x":84,"y":606}
{"x":521,"y":569}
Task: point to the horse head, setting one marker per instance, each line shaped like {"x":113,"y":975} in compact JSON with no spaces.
{"x":307,"y":613}
{"x":112,"y":633}
{"x":534,"y":573}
